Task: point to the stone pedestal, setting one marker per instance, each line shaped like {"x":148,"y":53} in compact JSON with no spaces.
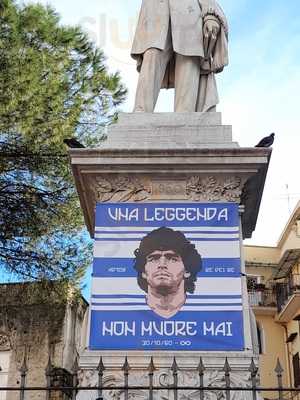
{"x":169,"y":156}
{"x":160,"y":131}
{"x":172,"y":157}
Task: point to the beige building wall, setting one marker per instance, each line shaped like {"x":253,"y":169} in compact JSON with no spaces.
{"x":262,"y":254}
{"x":273,"y":347}
{"x":282,"y":260}
{"x":264,"y":272}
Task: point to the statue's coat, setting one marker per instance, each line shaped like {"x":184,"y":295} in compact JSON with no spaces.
{"x":185,"y":18}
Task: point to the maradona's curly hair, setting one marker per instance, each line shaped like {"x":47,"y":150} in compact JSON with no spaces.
{"x":167,"y":239}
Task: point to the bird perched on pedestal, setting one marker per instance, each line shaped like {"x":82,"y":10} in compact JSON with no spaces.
{"x":73,"y":143}
{"x":266,"y":141}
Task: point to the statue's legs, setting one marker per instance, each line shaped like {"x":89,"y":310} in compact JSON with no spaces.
{"x":187,"y":77}
{"x":152,"y":72}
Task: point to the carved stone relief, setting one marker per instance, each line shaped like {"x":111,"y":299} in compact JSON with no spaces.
{"x":4,"y":342}
{"x":214,"y":189}
{"x":164,"y":378}
{"x":195,"y":188}
{"x":120,"y":189}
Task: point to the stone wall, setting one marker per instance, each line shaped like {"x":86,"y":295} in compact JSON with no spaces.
{"x":36,"y":325}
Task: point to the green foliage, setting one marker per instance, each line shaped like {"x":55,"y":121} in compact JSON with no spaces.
{"x":44,"y":292}
{"x":53,"y":85}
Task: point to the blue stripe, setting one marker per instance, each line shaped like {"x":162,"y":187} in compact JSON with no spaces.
{"x":123,"y":267}
{"x":199,"y":342}
{"x":118,"y":296}
{"x":230,"y":296}
{"x":115,"y":232}
{"x":133,"y":214}
{"x":141,"y":296}
{"x":119,"y":304}
{"x":186,"y":304}
{"x":110,"y":239}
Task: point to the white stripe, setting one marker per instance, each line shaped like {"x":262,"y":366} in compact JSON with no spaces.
{"x":188,"y":301}
{"x":184,"y":308}
{"x":212,"y":308}
{"x":121,"y":236}
{"x":119,"y":308}
{"x":213,"y":300}
{"x":176,"y":228}
{"x":118,"y":301}
{"x":204,"y":286}
{"x":208,"y":249}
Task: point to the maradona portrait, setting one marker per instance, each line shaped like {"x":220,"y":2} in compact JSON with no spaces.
{"x":167,"y":265}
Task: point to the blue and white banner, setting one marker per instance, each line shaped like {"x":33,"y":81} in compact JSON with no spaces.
{"x":167,"y":276}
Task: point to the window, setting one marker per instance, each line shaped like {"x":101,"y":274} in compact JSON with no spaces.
{"x":255,"y":287}
{"x":253,"y":281}
{"x":260,"y":337}
{"x":296,"y":368}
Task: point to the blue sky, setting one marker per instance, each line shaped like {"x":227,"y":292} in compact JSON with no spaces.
{"x":259,"y":91}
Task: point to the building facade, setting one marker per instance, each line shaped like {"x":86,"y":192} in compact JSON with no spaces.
{"x":38,"y":331}
{"x":273,"y":275}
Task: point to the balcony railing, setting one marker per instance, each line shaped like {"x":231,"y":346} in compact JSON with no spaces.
{"x":262,"y":297}
{"x":275,"y":297}
{"x":286,"y":289}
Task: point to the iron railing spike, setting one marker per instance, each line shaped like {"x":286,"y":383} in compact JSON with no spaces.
{"x":201,"y":367}
{"x":101,"y":367}
{"x":226,"y":368}
{"x":75,"y":370}
{"x":48,"y":373}
{"x":75,"y":367}
{"x":253,"y":368}
{"x":174,"y":367}
{"x":126,"y":366}
{"x":23,"y":369}
{"x":151,"y":369}
{"x":279,"y":370}
{"x":151,"y":366}
{"x":49,"y":366}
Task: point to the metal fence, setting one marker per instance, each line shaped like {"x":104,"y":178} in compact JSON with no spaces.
{"x":61,"y":384}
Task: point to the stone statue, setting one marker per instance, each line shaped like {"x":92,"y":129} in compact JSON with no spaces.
{"x":181,"y":44}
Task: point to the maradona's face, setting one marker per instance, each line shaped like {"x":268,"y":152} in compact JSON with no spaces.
{"x":164,"y":270}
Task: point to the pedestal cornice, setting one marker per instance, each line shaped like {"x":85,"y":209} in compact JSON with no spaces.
{"x":173,"y":174}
